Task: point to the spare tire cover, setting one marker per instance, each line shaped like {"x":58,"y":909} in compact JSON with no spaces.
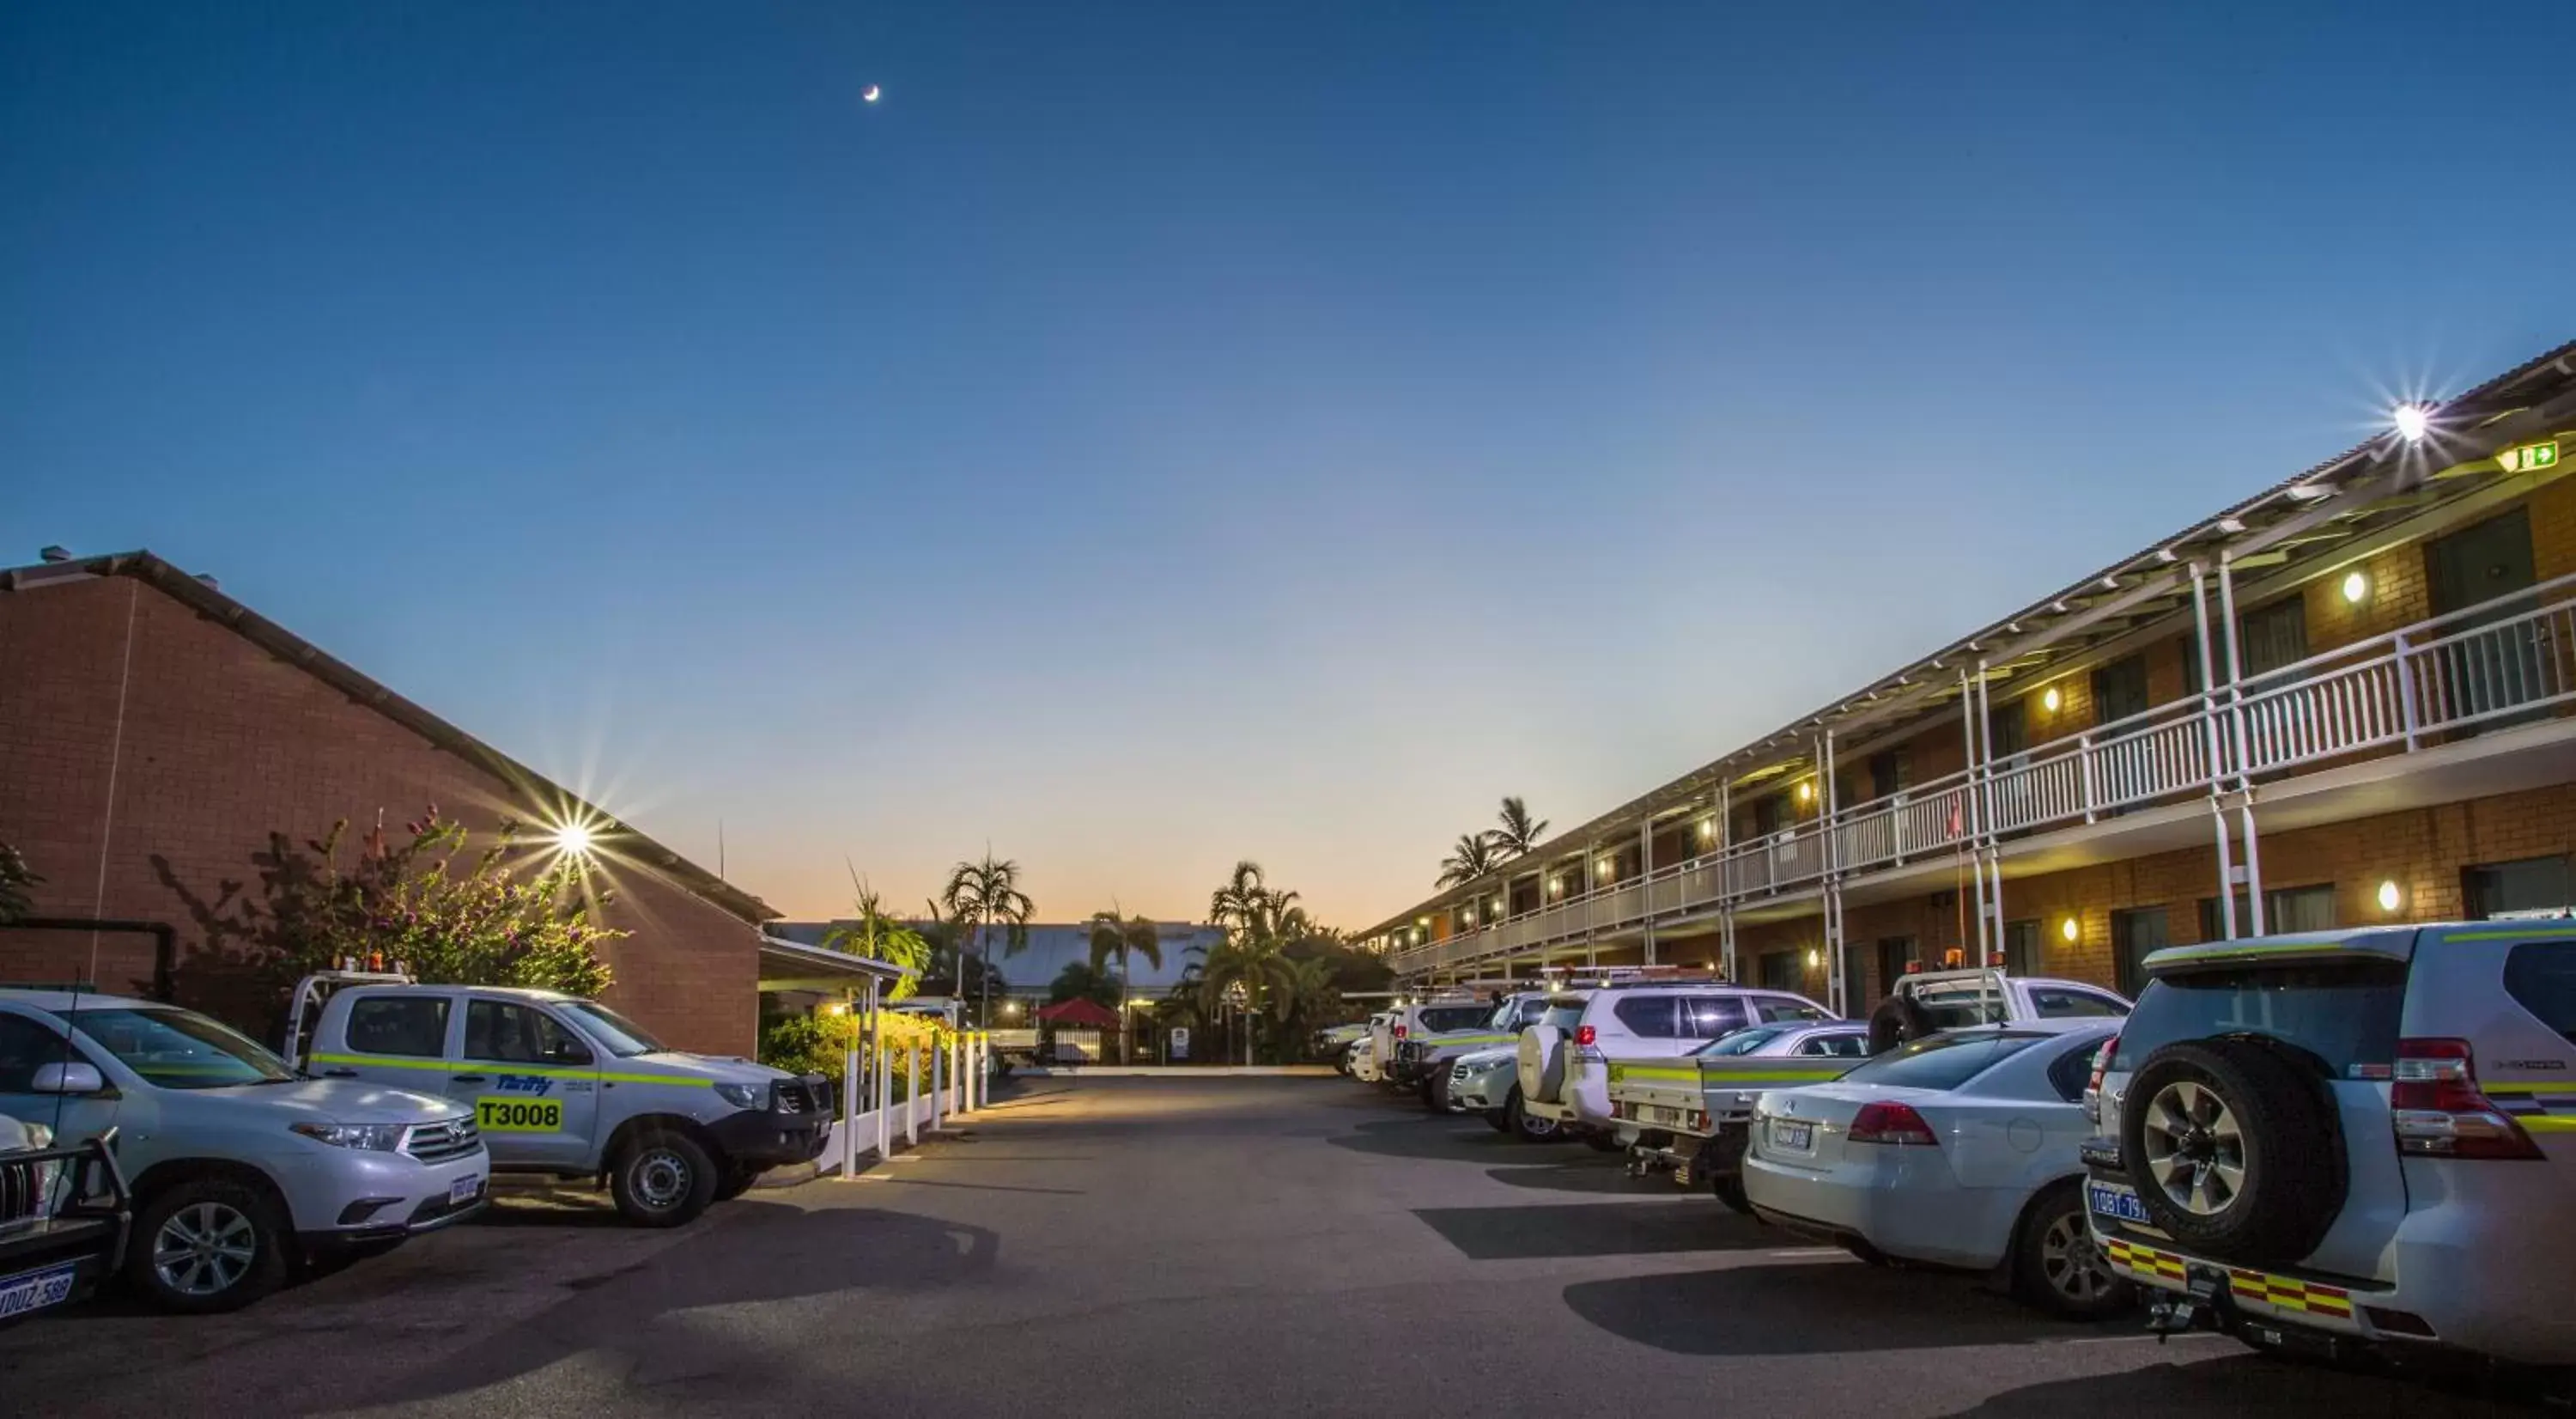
{"x":2236,"y":1150}
{"x":1897,"y":1019}
{"x":1542,"y":1063}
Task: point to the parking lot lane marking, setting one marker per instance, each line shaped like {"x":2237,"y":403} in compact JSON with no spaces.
{"x":1798,"y":1253}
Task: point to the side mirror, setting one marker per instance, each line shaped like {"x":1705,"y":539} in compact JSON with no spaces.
{"x":74,"y":1078}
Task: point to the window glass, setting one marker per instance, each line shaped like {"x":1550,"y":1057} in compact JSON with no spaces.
{"x":2134,"y":934}
{"x":2274,"y":635}
{"x":2541,"y":977}
{"x":2290,"y":909}
{"x":2021,"y":947}
{"x":1779,"y":970}
{"x":25,"y":1047}
{"x":2059,"y":1003}
{"x":180,"y":1049}
{"x":1741,"y":1042}
{"x":1442,"y":1019}
{"x":1705,"y":1017}
{"x":1941,"y":1061}
{"x":2071,"y":1071}
{"x":2339,"y":1013}
{"x":412,"y":1026}
{"x":1955,"y":1007}
{"x":1647,"y":1016}
{"x":1840,"y":1045}
{"x":1564,"y":1013}
{"x":1531,"y":1011}
{"x":514,"y":1033}
{"x":1782,"y":1007}
{"x":2533,"y":884}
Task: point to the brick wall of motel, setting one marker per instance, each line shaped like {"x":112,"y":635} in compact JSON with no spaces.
{"x":223,"y":742}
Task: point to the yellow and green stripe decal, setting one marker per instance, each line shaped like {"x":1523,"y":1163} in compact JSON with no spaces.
{"x":546,"y":1071}
{"x":1620,"y":1072}
{"x":2528,"y":933}
{"x":1775,"y":1076}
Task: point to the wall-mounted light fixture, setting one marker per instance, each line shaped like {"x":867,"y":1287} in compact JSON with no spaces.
{"x":2356,"y":587}
{"x":1707,"y":829}
{"x":1806,"y":790}
{"x":2069,"y":929}
{"x":1815,"y":958}
{"x":1556,"y":886}
{"x":2049,"y":699}
{"x":1609,"y":867}
{"x":2389,"y":897}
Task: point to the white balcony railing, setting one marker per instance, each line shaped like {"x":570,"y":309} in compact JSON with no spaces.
{"x":2506,"y":661}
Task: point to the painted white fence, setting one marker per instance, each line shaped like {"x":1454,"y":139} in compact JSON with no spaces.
{"x":957,"y":1085}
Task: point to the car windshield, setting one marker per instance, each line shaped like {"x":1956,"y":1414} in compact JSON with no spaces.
{"x":1742,"y":1041}
{"x":1444,"y":1019}
{"x":620,"y":1036}
{"x":180,"y":1049}
{"x":1942,"y":1061}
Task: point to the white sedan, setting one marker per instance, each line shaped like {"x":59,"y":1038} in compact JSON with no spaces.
{"x":1955,"y":1150}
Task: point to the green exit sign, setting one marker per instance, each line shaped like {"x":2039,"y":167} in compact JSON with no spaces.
{"x":2530,"y":458}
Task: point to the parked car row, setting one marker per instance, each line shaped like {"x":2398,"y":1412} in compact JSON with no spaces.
{"x":2347,"y":1144}
{"x":226,"y":1166}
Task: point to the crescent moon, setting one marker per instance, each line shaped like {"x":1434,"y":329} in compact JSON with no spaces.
{"x":872,"y":93}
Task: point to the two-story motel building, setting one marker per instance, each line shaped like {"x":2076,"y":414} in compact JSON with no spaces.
{"x":2349,"y":699}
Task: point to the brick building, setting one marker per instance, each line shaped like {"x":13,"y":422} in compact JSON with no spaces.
{"x":2349,"y":699}
{"x":153,"y":731}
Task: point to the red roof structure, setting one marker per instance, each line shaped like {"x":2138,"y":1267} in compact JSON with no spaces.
{"x":1079,"y":1011}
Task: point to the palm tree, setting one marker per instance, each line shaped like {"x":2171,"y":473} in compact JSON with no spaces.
{"x":1307,"y":992}
{"x":1125,"y":938}
{"x":1242,"y":899}
{"x":985,"y":893}
{"x":879,"y":937}
{"x":1475,"y":855}
{"x":1519,"y":832}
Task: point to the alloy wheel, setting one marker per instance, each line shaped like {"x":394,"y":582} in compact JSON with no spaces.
{"x":2195,"y":1148}
{"x":204,"y":1249}
{"x":2072,"y":1262}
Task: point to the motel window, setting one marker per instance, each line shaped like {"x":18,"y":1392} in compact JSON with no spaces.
{"x":2120,"y":689}
{"x":2285,"y":910}
{"x":2021,"y":947}
{"x":2269,"y":637}
{"x":2531,"y":884}
{"x":2007,"y":730}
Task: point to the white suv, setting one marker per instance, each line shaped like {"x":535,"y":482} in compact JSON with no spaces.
{"x":2350,"y":1142}
{"x":1564,"y":1064}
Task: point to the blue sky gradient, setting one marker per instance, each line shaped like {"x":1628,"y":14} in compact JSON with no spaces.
{"x":1159,"y":434}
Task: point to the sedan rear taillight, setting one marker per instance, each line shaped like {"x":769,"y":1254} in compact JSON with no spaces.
{"x":2093,"y":1086}
{"x":1399,"y":1032}
{"x":1892,"y":1123}
{"x":1584,"y":1035}
{"x":2439,"y":1111}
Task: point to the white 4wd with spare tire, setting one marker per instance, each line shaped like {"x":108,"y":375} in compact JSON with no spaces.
{"x":1565,"y":1056}
{"x":2350,"y":1143}
{"x":565,"y":1086}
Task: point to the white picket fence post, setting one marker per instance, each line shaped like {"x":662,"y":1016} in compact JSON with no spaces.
{"x":885,"y":1099}
{"x":850,"y":1112}
{"x":912,"y":1097}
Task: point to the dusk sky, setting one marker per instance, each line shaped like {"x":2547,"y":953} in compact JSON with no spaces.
{"x":1154,"y":435}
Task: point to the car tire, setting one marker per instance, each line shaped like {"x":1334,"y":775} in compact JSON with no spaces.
{"x":1527,"y":1128}
{"x":1898,"y":1019}
{"x":1730,"y":1190}
{"x":2235,"y":1150}
{"x":2057,"y":1267}
{"x":1501,"y":1119}
{"x":737,"y":1181}
{"x":662,"y":1179}
{"x":207,"y":1245}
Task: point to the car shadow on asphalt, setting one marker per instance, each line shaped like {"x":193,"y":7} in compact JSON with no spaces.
{"x":1429,"y":1140}
{"x":2238,"y":1383}
{"x":1813,"y":1308}
{"x":634,"y":1321}
{"x":1592,"y":1174}
{"x":1590,"y":1229}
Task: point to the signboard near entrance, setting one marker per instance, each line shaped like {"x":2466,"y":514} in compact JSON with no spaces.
{"x":1177,"y":1042}
{"x":2530,"y":458}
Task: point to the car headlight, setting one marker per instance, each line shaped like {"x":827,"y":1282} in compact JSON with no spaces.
{"x":744,"y":1096}
{"x":374,"y":1137}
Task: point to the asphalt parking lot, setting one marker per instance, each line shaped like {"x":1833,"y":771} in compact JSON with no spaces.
{"x":1123,"y":1246}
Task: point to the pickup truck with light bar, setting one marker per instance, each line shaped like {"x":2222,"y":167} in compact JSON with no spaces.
{"x":1690,"y":1113}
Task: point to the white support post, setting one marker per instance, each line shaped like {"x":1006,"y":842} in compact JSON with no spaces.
{"x":885,"y":1098}
{"x":1646,"y":880}
{"x":2244,"y":754}
{"x":2215,"y":745}
{"x":1835,"y":949}
{"x":1970,"y":839}
{"x":912,"y":1097}
{"x":850,"y":1100}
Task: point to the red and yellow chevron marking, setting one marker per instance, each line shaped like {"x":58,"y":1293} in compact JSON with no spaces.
{"x":2290,"y":1294}
{"x":2144,"y":1261}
